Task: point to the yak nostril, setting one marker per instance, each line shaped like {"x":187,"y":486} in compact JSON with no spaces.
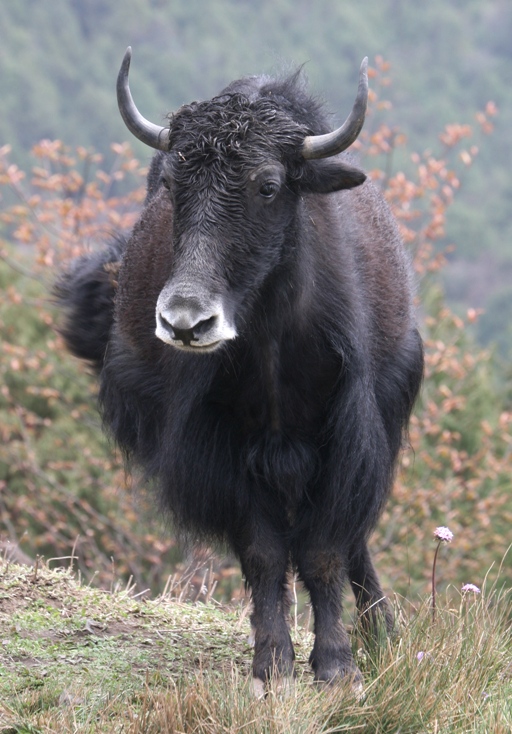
{"x":164,"y":324}
{"x":203,"y":326}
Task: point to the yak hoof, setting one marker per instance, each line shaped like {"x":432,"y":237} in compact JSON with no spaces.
{"x":258,"y":688}
{"x":352,"y":679}
{"x":357,"y":689}
{"x":353,"y":685}
{"x":282,"y":686}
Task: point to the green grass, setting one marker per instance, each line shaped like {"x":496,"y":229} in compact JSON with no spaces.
{"x":77,"y":659}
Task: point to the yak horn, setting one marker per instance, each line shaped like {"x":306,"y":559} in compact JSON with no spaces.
{"x":323,"y":146}
{"x":149,"y":133}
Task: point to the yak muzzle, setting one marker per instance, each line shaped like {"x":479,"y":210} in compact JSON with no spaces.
{"x":187,"y":324}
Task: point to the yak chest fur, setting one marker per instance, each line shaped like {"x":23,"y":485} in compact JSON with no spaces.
{"x":279,"y":400}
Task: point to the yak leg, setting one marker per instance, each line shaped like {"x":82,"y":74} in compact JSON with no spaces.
{"x":372,"y":605}
{"x":287,"y":602}
{"x":323,"y":572}
{"x":264,"y":558}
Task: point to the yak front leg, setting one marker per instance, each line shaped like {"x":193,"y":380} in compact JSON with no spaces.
{"x":324,"y":573}
{"x":264,"y":558}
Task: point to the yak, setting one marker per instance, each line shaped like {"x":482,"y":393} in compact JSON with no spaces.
{"x":257,"y":349}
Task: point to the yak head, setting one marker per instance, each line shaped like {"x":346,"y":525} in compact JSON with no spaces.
{"x":235,"y":168}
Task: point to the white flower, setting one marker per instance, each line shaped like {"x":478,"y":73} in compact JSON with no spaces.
{"x":444,"y":535}
{"x":470,"y":587}
{"x":423,"y":656}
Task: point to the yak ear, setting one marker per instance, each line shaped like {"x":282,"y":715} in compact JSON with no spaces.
{"x":330,"y":174}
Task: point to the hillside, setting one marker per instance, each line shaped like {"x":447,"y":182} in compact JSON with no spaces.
{"x":77,"y":659}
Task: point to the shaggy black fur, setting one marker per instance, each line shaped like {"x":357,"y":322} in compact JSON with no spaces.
{"x":283,"y":441}
{"x":87,"y":291}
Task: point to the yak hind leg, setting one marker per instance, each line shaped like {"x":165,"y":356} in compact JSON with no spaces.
{"x":264,"y":557}
{"x":375,"y":613}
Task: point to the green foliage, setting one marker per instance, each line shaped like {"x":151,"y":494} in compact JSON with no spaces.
{"x":495,"y":325}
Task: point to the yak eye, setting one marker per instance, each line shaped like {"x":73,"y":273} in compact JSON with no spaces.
{"x":165,"y":182}
{"x":268,"y":189}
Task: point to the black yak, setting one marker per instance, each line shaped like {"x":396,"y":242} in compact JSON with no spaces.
{"x":258,"y":354}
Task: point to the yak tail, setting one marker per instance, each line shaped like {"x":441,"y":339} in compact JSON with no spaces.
{"x":86,"y":292}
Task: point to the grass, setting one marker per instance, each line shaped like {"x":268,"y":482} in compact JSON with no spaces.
{"x":77,"y":659}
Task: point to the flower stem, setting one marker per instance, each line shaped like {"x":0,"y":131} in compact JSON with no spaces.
{"x":434,"y":584}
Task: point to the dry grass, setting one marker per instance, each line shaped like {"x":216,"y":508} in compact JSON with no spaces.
{"x":76,"y":659}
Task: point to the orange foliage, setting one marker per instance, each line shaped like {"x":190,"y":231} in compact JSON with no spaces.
{"x":71,"y":203}
{"x":458,"y":469}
